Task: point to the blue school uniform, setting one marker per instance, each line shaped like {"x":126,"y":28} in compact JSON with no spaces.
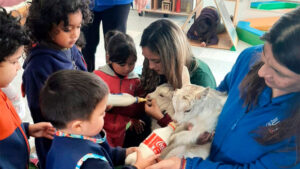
{"x":234,"y":145}
{"x":77,"y":151}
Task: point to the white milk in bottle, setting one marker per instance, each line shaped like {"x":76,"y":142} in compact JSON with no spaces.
{"x":153,"y":144}
{"x":123,"y":100}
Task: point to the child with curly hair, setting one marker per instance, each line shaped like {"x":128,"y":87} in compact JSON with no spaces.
{"x":14,"y":146}
{"x":54,"y":27}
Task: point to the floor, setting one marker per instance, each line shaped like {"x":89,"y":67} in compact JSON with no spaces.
{"x":220,"y":61}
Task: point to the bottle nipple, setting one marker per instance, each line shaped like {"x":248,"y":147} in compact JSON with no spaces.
{"x":140,"y":99}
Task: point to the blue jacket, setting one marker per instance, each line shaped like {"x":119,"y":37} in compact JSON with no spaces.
{"x":14,"y":146}
{"x":100,"y":5}
{"x":234,"y":146}
{"x":68,"y":152}
{"x":40,"y":64}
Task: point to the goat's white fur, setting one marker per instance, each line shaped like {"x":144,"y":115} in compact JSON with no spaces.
{"x":202,"y":112}
{"x":192,"y":104}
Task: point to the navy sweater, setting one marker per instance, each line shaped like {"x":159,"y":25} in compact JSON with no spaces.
{"x":66,"y":153}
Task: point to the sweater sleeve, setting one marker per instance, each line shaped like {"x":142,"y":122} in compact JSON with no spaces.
{"x":33,"y":81}
{"x":26,"y":128}
{"x":163,"y":122}
{"x":116,"y":154}
{"x":272,"y":160}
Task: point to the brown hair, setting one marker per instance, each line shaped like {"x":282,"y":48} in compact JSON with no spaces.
{"x":166,"y":39}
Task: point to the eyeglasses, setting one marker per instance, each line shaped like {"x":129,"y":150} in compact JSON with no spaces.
{"x":15,"y":61}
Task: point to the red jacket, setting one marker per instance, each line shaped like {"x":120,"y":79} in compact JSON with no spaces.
{"x":116,"y":119}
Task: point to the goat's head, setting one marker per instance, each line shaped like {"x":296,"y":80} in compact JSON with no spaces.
{"x":163,"y":95}
{"x":196,"y":101}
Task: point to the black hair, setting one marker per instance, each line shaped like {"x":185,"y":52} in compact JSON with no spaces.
{"x":12,"y":34}
{"x":284,"y":38}
{"x":70,"y":95}
{"x":81,"y":42}
{"x":44,"y":13}
{"x":120,"y":47}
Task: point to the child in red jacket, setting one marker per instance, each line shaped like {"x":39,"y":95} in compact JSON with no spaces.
{"x":120,"y":78}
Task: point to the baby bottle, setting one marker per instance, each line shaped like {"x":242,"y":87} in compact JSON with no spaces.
{"x":153,"y":144}
{"x":123,"y":99}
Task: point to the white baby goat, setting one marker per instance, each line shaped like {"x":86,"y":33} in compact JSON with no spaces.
{"x":201,"y":107}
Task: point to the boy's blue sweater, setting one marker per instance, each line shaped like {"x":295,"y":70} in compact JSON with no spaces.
{"x":39,"y":65}
{"x":234,"y":145}
{"x":66,"y":152}
{"x":100,"y":5}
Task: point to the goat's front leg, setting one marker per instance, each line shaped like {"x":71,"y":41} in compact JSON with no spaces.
{"x":183,"y":138}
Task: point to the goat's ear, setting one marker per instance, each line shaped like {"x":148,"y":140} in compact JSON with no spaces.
{"x":185,"y":76}
{"x":203,"y":93}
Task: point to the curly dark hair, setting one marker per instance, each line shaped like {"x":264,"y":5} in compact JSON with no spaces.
{"x":43,"y":14}
{"x":12,"y":34}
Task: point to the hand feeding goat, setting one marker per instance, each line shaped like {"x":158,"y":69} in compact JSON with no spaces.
{"x":163,"y":95}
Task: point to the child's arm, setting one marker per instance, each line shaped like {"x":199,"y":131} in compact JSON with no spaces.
{"x":42,"y":129}
{"x":117,"y":154}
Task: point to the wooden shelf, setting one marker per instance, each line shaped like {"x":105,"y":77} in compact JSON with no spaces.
{"x":156,"y":7}
{"x":166,"y":12}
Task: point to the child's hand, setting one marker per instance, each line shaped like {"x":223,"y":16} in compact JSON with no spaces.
{"x":131,"y":150}
{"x":142,"y":163}
{"x":137,"y":125}
{"x":42,"y":129}
{"x":152,"y":109}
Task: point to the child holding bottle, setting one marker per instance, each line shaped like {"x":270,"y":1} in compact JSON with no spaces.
{"x":75,"y":102}
{"x":120,"y":78}
{"x":54,"y":27}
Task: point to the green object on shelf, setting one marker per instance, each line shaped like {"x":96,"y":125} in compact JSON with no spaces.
{"x":248,"y":37}
{"x":278,"y":5}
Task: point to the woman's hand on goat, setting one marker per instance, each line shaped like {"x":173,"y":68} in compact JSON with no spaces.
{"x":152,"y":109}
{"x":170,"y":163}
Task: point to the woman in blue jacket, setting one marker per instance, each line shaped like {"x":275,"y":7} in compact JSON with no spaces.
{"x":258,"y":127}
{"x":113,"y":14}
